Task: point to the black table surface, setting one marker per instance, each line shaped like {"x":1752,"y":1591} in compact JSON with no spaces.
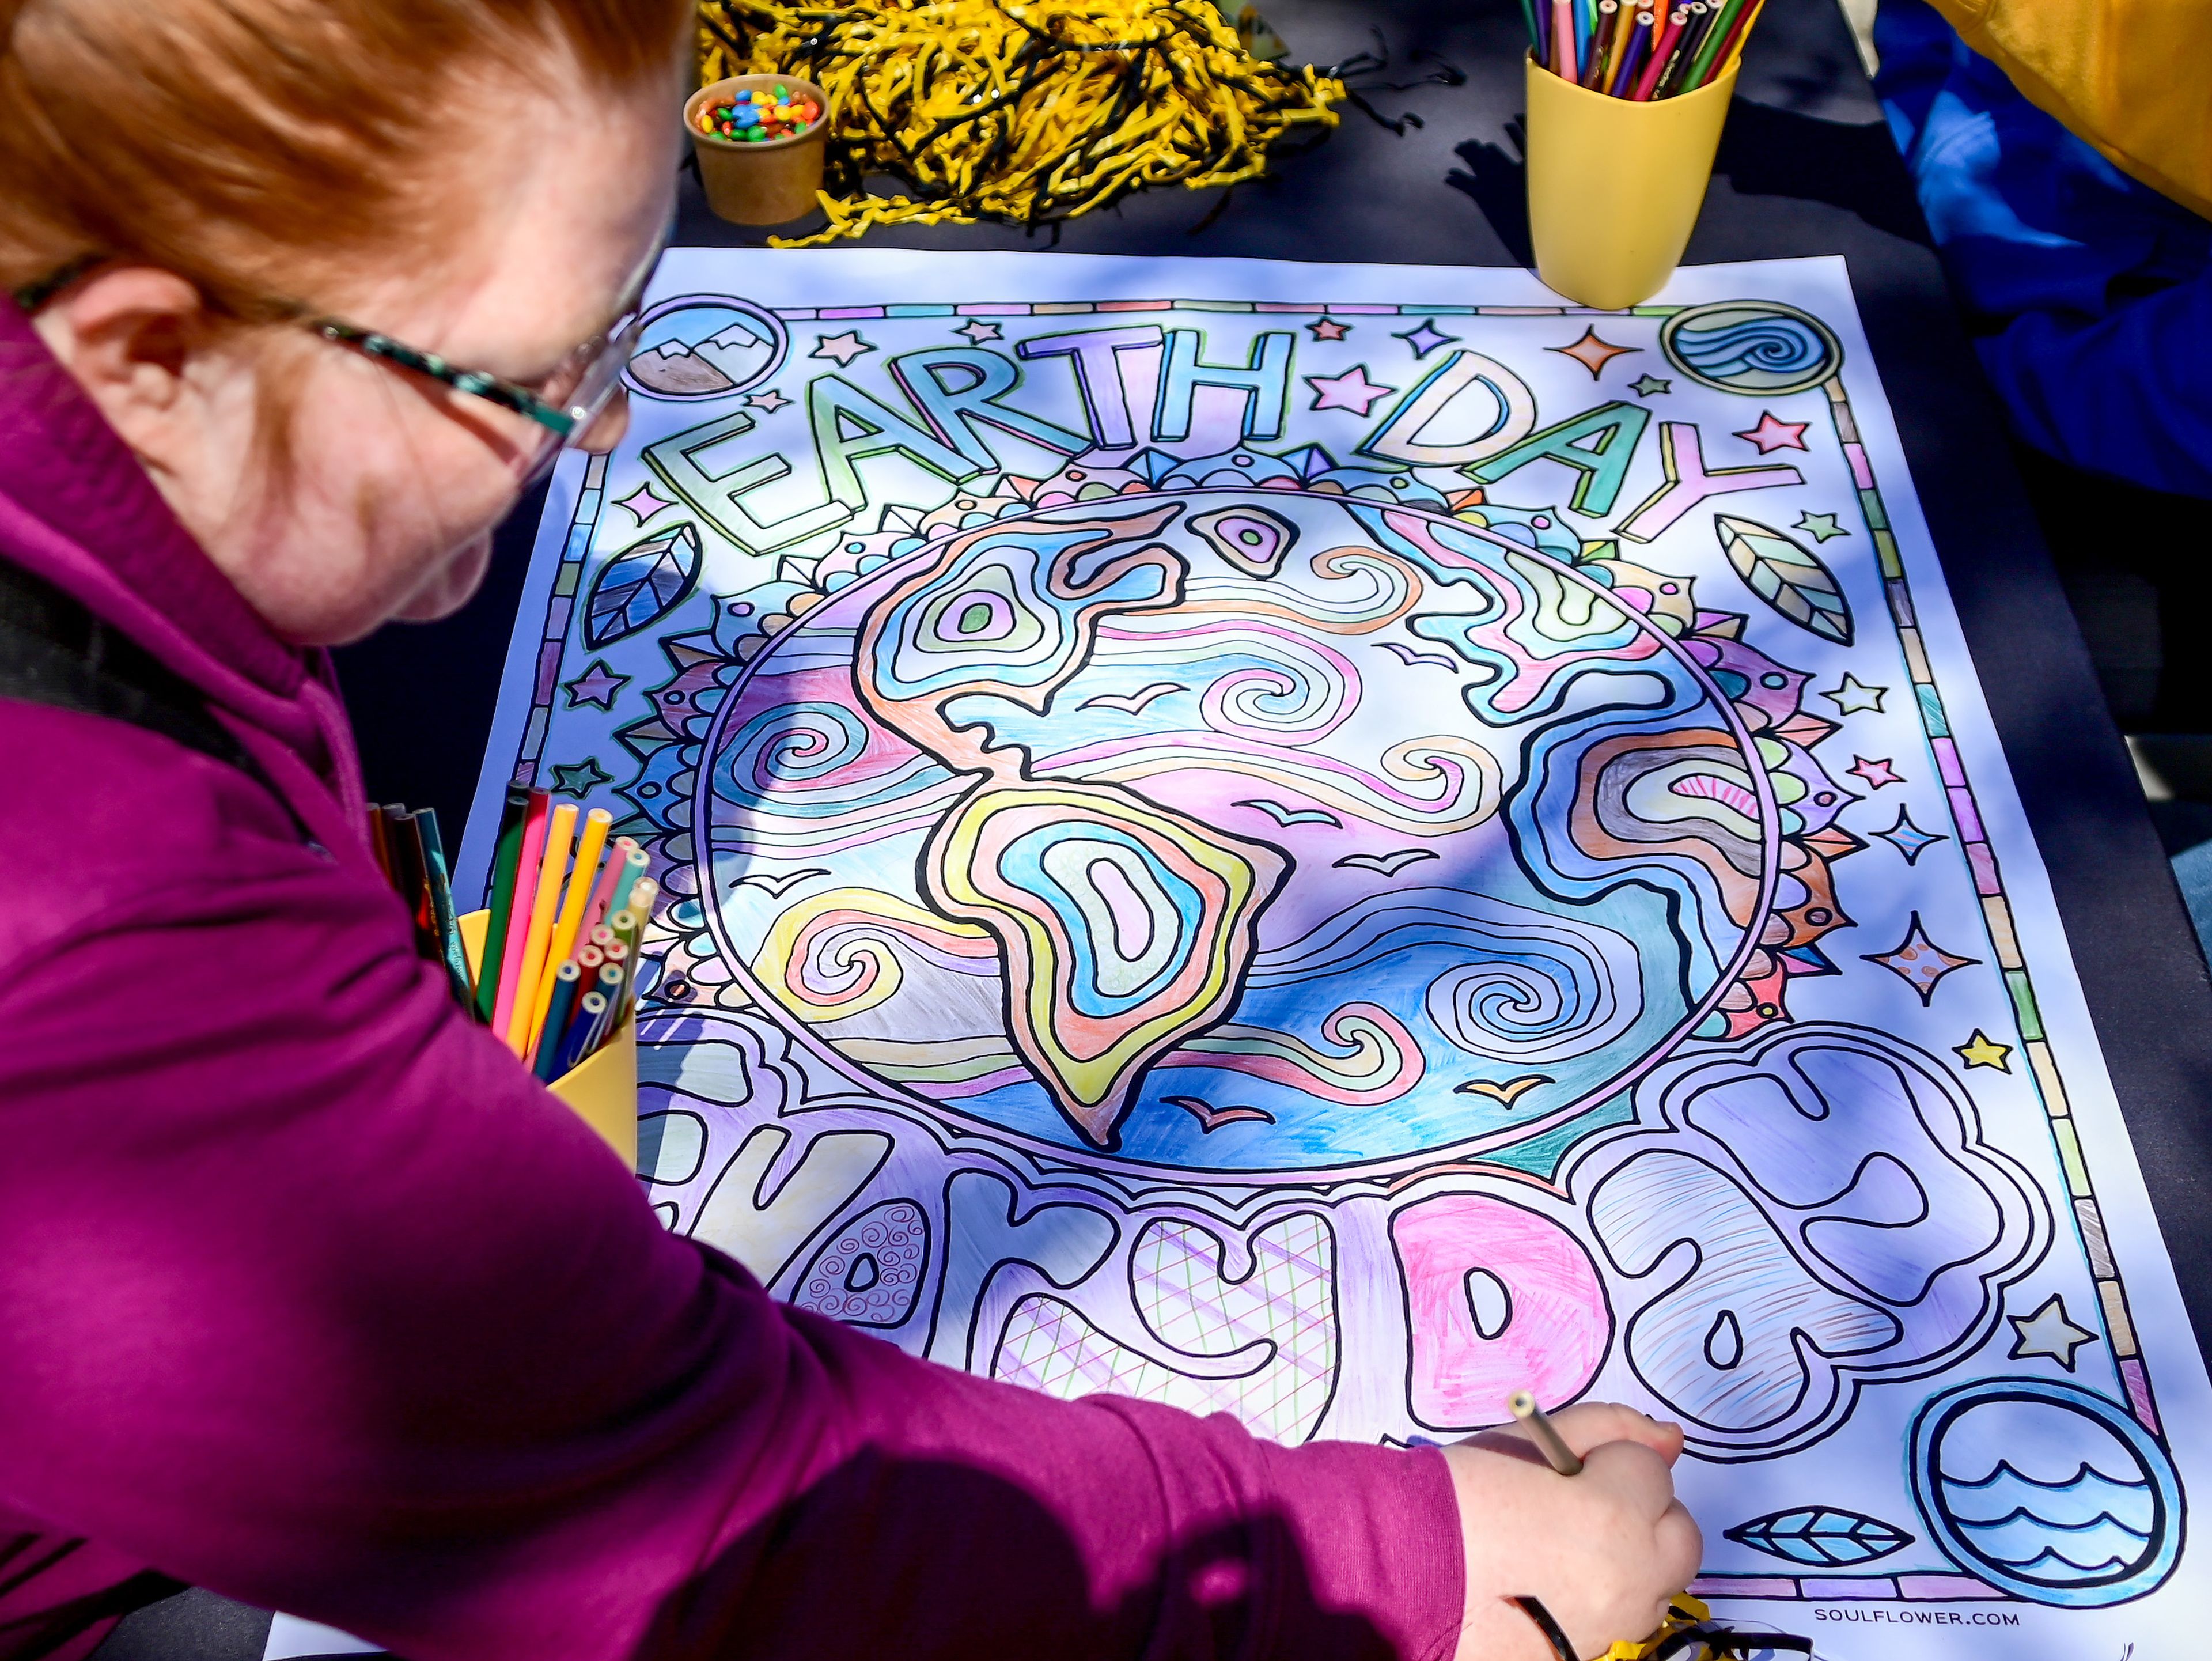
{"x":1806,"y":167}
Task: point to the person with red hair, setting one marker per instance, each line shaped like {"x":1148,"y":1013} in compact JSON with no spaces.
{"x":305,"y":293}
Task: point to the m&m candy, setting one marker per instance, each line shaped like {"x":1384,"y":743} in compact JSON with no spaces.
{"x":755,"y":116}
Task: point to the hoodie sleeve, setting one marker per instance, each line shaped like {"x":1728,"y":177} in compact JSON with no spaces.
{"x":310,"y":1295}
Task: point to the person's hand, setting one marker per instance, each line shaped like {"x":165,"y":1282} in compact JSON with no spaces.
{"x":1603,"y":1551}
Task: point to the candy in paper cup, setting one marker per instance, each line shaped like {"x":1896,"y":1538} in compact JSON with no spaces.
{"x":760,"y":180}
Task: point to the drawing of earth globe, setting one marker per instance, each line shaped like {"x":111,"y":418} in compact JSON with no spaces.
{"x":702,"y":346}
{"x":2046,"y":1491}
{"x":1247,"y":829}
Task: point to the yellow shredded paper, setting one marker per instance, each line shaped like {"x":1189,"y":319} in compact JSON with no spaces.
{"x":1020,"y":113}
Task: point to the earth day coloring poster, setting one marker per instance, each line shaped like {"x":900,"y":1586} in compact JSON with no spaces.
{"x":1326,"y":842}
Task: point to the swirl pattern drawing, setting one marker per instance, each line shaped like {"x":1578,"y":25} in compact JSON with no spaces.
{"x":1094,"y":810}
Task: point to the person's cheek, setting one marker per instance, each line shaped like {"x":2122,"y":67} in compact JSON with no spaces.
{"x":452,"y":585}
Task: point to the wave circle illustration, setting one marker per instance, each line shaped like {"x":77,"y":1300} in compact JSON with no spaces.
{"x":2047,"y":1491}
{"x":1236,"y":829}
{"x":1760,"y":347}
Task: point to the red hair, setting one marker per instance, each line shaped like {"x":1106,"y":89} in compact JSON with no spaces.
{"x":248,"y":145}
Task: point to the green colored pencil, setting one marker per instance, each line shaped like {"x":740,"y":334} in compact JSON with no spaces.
{"x":1716,"y":35}
{"x":506,"y":855}
{"x":441,"y":907}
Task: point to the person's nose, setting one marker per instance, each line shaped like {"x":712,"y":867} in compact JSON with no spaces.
{"x":607,"y":431}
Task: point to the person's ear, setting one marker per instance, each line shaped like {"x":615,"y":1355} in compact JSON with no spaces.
{"x":126,"y":335}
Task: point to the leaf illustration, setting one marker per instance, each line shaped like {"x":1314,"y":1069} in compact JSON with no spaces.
{"x":641,"y":585}
{"x":1790,"y":579}
{"x":1820,"y":1537}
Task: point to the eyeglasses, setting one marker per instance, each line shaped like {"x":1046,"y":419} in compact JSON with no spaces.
{"x":567,"y":403}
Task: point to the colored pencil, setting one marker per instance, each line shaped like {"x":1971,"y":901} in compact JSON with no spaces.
{"x":377,"y":843}
{"x":1606,"y":40}
{"x":1535,"y":33}
{"x":602,"y":901}
{"x":1724,"y":18}
{"x":506,"y":859}
{"x":632,"y":873}
{"x":1678,"y":56}
{"x":406,"y":837}
{"x":1658,"y":62}
{"x":560,"y":1003}
{"x":1582,"y":37}
{"x":1732,"y":53}
{"x":1563,"y":39}
{"x":526,"y":899}
{"x":441,"y":908}
{"x":545,"y":902}
{"x":571,"y":916}
{"x":610,"y":988}
{"x":589,"y":1008}
{"x":1637,"y":38}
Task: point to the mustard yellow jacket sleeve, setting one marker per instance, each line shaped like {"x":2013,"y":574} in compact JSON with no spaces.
{"x":2133,"y":77}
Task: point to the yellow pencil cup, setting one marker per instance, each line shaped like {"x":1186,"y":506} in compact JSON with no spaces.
{"x":603,"y":1086}
{"x":1615,"y":186}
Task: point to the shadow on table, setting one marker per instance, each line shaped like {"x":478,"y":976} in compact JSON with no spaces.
{"x":1764,"y":151}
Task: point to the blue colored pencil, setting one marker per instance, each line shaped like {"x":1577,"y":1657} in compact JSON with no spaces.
{"x":566,"y":979}
{"x":589,"y":1008}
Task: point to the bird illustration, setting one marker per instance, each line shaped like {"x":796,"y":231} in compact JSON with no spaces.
{"x":777,"y":887}
{"x":1287,"y":816}
{"x":1132,"y":703}
{"x":1506,"y":1093}
{"x":1406,"y":656}
{"x":1387,"y":865}
{"x":1211,"y":1119}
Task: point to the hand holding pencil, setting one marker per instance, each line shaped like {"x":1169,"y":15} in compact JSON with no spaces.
{"x":1604,"y":1550}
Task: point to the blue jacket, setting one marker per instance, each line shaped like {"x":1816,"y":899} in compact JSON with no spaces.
{"x":2090,"y":294}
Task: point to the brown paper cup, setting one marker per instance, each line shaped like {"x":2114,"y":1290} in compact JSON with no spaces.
{"x":770,"y":183}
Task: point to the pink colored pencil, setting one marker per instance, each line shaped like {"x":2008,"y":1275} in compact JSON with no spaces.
{"x":1563,"y":40}
{"x":1659,"y":49}
{"x":526,"y":891}
{"x":618,"y":853}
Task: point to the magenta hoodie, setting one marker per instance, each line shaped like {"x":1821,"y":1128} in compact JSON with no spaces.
{"x":261,"y":1330}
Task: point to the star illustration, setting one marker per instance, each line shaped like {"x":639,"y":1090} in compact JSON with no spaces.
{"x":1852,"y":694}
{"x":1647,"y":385}
{"x":1329,"y":329}
{"x":1982,"y":1050}
{"x":642,"y":503}
{"x":1875,"y":773}
{"x":840,"y":349}
{"x":978,"y":331}
{"x":1773,"y":434}
{"x":1351,"y":391}
{"x":580,"y":778}
{"x":1908,"y":838}
{"x":2048,"y":1332}
{"x":1918,"y":961}
{"x":1592,"y":353}
{"x":771,"y":400}
{"x":1820,"y":527}
{"x":597,"y":684}
{"x":1425,"y":339}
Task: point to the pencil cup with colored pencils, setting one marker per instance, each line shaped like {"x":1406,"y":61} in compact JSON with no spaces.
{"x":603,"y":1086}
{"x":1615,"y":184}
